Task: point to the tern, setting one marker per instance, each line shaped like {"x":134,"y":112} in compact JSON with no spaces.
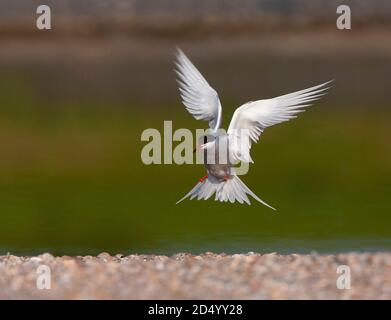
{"x":247,"y":124}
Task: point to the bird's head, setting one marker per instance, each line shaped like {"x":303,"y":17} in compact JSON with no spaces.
{"x":205,"y":142}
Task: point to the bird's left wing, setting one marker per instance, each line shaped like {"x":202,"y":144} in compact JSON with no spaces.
{"x":250,"y":119}
{"x":199,"y":98}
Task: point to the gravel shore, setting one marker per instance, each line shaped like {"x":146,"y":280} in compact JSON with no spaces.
{"x":205,"y":276}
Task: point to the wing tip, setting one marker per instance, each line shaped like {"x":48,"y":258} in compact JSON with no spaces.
{"x":327,"y":86}
{"x":180,"y":55}
{"x":178,"y":51}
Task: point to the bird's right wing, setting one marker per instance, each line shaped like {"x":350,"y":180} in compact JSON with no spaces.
{"x":199,"y":98}
{"x":250,"y":119}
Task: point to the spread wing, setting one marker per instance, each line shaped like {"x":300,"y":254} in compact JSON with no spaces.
{"x":199,"y":98}
{"x":250,"y":119}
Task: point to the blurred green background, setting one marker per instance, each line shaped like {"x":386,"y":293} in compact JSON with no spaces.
{"x":73,"y":107}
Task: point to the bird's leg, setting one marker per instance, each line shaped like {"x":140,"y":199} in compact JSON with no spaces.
{"x":203,"y":178}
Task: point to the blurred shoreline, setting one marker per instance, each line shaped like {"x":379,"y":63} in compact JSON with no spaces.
{"x":139,"y":70}
{"x":122,"y":51}
{"x":188,"y":19}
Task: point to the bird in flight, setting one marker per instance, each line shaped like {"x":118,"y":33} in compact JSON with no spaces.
{"x":247,"y":124}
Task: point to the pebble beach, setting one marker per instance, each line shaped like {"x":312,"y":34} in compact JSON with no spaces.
{"x":204,"y":276}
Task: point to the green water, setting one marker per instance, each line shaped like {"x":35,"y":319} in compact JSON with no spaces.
{"x":72,"y":182}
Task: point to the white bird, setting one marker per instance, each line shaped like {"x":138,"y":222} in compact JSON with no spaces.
{"x":247,"y":124}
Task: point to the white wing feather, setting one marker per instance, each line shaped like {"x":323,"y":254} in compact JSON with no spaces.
{"x":199,"y":98}
{"x":250,"y":119}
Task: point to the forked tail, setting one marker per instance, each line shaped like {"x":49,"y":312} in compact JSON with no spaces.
{"x":231,"y":190}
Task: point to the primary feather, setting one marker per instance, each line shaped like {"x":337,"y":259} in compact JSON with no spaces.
{"x":199,"y":98}
{"x":250,"y":119}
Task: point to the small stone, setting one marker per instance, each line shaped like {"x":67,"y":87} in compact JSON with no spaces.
{"x":104,"y":256}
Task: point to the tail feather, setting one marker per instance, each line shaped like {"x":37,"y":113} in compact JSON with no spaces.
{"x":231,"y":190}
{"x":248,"y":191}
{"x":202,"y":190}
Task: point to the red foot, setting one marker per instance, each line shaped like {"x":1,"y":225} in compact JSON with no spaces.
{"x":203,"y":179}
